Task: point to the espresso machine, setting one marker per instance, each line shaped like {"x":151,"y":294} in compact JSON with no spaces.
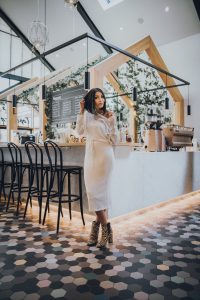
{"x":177,"y":136}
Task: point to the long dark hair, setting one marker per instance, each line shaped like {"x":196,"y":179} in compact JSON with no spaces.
{"x":90,"y":100}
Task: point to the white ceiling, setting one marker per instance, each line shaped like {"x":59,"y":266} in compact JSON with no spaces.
{"x":120,"y":24}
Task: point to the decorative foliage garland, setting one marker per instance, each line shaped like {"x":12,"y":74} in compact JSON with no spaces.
{"x":30,"y":96}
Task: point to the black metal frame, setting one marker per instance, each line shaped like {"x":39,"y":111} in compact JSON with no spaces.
{"x":91,"y":25}
{"x":24,"y":39}
{"x":87,"y":35}
{"x":145,"y":91}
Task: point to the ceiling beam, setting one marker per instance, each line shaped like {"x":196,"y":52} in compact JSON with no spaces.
{"x":91,"y":25}
{"x":197,"y":6}
{"x":15,"y":77}
{"x":24,"y":39}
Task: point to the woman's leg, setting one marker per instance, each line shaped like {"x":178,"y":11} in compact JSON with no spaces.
{"x":101,"y":216}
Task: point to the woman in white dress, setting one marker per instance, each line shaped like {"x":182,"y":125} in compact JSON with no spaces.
{"x":99,"y":127}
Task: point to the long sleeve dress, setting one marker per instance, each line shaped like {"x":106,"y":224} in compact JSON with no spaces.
{"x":101,"y":135}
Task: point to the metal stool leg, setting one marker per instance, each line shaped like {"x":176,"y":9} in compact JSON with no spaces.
{"x":80,"y":193}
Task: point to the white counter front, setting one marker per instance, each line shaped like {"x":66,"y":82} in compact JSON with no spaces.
{"x":141,"y":179}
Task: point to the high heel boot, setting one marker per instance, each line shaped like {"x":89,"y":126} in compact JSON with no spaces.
{"x":104,"y":237}
{"x":110,"y":233}
{"x":93,"y":238}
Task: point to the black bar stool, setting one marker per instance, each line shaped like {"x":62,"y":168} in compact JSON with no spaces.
{"x":17,"y":175}
{"x":2,"y":173}
{"x":4,"y":166}
{"x":60,"y":171}
{"x":38,"y":173}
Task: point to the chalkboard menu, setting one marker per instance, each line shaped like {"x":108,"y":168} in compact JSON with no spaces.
{"x":65,"y":105}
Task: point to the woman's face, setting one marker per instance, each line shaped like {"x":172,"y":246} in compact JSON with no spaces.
{"x":99,"y":100}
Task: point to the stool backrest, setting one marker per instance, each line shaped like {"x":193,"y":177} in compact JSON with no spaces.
{"x":54,"y":154}
{"x":16,"y":154}
{"x":35,"y":154}
{"x":1,"y":156}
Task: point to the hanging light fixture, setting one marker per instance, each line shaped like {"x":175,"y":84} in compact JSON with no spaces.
{"x":166,"y":99}
{"x":14,"y":101}
{"x":44,"y":87}
{"x":188,"y":106}
{"x":44,"y":91}
{"x":166,"y":103}
{"x":87,"y":74}
{"x":134,"y":94}
{"x":38,"y":33}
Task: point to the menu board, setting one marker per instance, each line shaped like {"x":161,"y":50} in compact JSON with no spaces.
{"x":65,"y":105}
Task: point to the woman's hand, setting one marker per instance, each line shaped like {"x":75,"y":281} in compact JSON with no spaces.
{"x":108,"y":114}
{"x":82,"y":106}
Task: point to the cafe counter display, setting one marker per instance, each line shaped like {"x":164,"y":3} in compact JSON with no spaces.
{"x":139,"y":178}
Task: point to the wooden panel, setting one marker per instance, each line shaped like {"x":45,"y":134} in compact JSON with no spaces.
{"x":43,"y":117}
{"x":22,"y":86}
{"x":157,"y":60}
{"x":11,"y":118}
{"x":112,"y":63}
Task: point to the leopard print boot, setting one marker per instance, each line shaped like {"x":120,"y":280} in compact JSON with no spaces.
{"x":110,"y":233}
{"x":93,"y":238}
{"x":104,"y":238}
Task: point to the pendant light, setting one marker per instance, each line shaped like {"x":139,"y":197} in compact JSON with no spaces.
{"x":44,"y":87}
{"x":87,"y":74}
{"x":166,"y":103}
{"x":166,"y":98}
{"x":14,"y":101}
{"x":134,"y":95}
{"x":188,"y":106}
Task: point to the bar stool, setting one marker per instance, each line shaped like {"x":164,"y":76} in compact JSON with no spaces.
{"x":4,"y":166}
{"x":17,"y":175}
{"x":60,"y":171}
{"x":2,"y":175}
{"x":39,"y":173}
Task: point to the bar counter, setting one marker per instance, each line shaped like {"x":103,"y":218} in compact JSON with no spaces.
{"x":140,"y":178}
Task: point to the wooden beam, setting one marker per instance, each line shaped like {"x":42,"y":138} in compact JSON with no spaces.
{"x":20,"y":86}
{"x":112,"y":63}
{"x":11,"y":118}
{"x":157,"y":60}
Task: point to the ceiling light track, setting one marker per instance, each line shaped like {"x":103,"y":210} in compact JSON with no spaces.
{"x":100,"y":41}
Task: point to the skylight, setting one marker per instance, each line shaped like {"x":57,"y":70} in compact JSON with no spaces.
{"x":105,"y":4}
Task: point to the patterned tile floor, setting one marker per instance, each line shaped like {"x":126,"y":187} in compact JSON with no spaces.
{"x":155,"y":255}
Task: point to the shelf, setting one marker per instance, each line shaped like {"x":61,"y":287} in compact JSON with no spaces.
{"x":3,"y":126}
{"x":24,"y":128}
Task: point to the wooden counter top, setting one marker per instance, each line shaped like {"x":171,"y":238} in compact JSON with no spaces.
{"x":74,"y":144}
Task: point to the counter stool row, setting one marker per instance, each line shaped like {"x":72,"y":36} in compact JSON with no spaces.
{"x":46,"y":181}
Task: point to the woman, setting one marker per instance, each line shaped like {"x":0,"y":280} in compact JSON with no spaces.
{"x":99,"y":127}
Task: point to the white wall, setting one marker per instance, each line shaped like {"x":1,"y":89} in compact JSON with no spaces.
{"x":183,"y":59}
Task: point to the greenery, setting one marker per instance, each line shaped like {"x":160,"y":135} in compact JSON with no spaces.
{"x":133,"y":74}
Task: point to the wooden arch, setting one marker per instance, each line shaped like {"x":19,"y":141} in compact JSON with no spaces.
{"x":106,"y":68}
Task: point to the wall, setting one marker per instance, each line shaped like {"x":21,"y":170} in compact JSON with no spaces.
{"x":183,"y":59}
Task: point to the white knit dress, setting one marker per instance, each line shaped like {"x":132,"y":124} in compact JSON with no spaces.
{"x":101,"y":134}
